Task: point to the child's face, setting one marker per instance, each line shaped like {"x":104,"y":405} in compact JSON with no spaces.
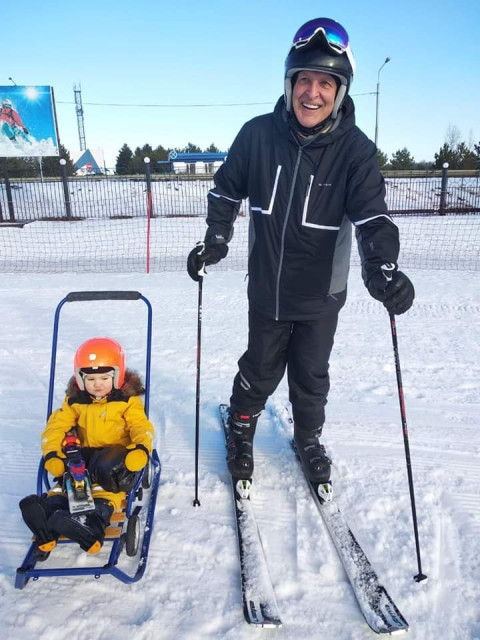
{"x":98,"y":384}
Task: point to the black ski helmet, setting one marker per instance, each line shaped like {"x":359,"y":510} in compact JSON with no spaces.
{"x":321,"y":45}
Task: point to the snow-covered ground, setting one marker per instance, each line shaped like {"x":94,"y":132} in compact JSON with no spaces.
{"x":191,"y":586}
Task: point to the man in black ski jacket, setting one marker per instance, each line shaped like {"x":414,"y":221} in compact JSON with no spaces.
{"x":309,"y":173}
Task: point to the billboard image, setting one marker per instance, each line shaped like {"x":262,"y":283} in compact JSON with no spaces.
{"x":27,"y":122}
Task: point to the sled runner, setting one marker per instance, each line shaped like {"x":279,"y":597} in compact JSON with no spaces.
{"x":124,"y":532}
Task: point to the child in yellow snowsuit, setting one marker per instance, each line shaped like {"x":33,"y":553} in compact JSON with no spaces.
{"x":104,"y":411}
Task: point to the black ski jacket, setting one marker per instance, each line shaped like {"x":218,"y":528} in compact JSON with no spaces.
{"x":303,"y":201}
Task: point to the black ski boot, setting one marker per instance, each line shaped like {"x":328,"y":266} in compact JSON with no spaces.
{"x":240,"y":444}
{"x":35,"y":511}
{"x":88,"y":529}
{"x":315,"y":462}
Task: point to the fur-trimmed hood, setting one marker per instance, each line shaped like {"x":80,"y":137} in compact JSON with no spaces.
{"x":132,"y":386}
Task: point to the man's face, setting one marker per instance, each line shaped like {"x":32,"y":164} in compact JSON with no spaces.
{"x":313,"y":97}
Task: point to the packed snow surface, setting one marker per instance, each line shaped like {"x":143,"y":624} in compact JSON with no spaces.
{"x":191,"y":588}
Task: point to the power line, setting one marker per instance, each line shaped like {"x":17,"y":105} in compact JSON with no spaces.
{"x":116,"y":104}
{"x":187,"y":106}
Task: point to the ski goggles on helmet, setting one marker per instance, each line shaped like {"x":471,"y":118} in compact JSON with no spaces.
{"x":334,"y":34}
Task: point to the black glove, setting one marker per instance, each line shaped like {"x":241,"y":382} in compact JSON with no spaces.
{"x":107,"y":468}
{"x":25,"y":131}
{"x":396,"y":292}
{"x":205,"y":254}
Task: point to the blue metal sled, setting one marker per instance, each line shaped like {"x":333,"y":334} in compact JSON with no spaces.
{"x":124,"y":529}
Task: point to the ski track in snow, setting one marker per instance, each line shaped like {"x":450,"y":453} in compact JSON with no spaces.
{"x":191,"y":588}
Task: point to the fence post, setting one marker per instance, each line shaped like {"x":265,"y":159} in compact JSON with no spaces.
{"x":66,"y":193}
{"x":149,"y":208}
{"x":443,"y":192}
{"x":8,"y":188}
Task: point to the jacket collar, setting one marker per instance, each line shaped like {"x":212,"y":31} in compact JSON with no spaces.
{"x":343,"y":123}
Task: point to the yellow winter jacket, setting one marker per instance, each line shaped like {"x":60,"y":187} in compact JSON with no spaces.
{"x":117,"y":419}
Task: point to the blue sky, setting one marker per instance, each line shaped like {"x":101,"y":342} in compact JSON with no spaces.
{"x":217,"y":51}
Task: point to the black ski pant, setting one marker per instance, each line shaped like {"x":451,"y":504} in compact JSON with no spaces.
{"x":48,"y":517}
{"x":302,"y":347}
{"x":36,"y":511}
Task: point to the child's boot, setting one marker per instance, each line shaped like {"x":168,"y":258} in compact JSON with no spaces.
{"x":87,"y":529}
{"x":34,"y":512}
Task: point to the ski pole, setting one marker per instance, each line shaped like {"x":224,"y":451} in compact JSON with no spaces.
{"x":201,"y":273}
{"x":387,"y":269}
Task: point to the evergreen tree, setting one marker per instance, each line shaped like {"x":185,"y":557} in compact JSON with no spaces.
{"x":212,"y":149}
{"x":382,"y":159}
{"x":191,"y":148}
{"x":51,"y":165}
{"x":402,"y":159}
{"x":159,"y":154}
{"x":124,"y":157}
{"x":21,"y":167}
{"x":456,"y":152}
{"x":446,"y":154}
{"x":476,"y":149}
{"x":466,"y":157}
{"x":137,"y":164}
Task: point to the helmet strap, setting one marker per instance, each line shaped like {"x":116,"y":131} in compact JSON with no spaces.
{"x":339,"y":98}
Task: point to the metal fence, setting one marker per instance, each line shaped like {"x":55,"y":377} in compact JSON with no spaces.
{"x":137,"y":224}
{"x":76,"y":198}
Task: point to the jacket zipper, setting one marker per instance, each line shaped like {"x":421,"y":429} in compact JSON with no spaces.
{"x":282,"y":241}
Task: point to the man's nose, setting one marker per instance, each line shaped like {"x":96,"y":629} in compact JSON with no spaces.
{"x":313,"y":89}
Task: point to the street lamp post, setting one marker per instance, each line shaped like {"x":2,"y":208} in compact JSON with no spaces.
{"x":378,"y":99}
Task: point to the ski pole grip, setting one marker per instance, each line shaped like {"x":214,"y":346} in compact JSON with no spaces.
{"x":201,"y":247}
{"x":82,"y":296}
{"x":387,"y":269}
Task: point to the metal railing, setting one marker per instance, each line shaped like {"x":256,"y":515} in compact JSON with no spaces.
{"x":175,"y":195}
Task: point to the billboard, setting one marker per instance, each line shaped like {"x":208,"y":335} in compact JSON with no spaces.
{"x":27,"y":122}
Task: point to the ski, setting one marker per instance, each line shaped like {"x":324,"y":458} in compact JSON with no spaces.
{"x":259,"y":603}
{"x":378,"y":608}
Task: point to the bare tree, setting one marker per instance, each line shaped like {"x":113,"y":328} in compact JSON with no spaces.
{"x":453,"y":136}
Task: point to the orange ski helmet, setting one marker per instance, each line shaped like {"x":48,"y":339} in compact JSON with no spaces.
{"x":98,"y":355}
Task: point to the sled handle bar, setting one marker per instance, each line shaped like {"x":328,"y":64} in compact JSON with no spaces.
{"x":82,"y":296}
